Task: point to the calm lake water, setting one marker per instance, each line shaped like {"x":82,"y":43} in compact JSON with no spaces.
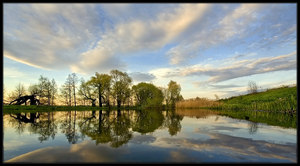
{"x":185,"y":136}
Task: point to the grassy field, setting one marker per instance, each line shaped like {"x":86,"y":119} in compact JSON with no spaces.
{"x":282,"y":99}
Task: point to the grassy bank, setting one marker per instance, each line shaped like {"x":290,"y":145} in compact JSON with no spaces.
{"x":281,"y":100}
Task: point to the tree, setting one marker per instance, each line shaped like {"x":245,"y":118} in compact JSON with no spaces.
{"x":252,"y":87}
{"x":20,"y":90}
{"x":53,"y":90}
{"x":87,"y":91}
{"x":173,"y":93}
{"x":147,"y":95}
{"x":34,"y":90}
{"x":102,"y":83}
{"x":74,"y":80}
{"x":64,"y":93}
{"x":120,"y":85}
{"x":68,"y":88}
{"x":45,"y":88}
{"x":217,"y":97}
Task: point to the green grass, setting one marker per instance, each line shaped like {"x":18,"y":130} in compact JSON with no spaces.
{"x":283,"y":99}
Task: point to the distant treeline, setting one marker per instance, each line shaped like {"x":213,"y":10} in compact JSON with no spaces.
{"x":114,"y":89}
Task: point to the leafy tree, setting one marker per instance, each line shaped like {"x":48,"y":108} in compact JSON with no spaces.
{"x":147,"y":95}
{"x":173,"y":93}
{"x":120,"y":85}
{"x":87,"y":91}
{"x":45,"y":88}
{"x":102,"y":83}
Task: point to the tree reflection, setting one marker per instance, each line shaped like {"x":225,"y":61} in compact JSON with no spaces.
{"x":148,"y":121}
{"x":40,"y":123}
{"x":172,"y":122}
{"x":108,"y":128}
{"x":252,"y":127}
{"x":68,"y":127}
{"x":96,"y":129}
{"x":104,"y":126}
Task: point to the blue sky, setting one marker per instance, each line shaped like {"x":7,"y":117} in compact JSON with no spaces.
{"x":207,"y":48}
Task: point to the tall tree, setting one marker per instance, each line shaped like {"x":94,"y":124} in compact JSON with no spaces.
{"x":74,"y":81}
{"x":102,"y":83}
{"x":53,"y":90}
{"x":87,"y":91}
{"x":120,"y":84}
{"x":68,"y":86}
{"x":64,"y":94}
{"x":45,"y":88}
{"x":173,"y":93}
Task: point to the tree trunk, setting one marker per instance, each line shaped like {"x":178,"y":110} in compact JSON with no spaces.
{"x":100,"y":101}
{"x":74,"y":95}
{"x":119,"y":103}
{"x":93,"y":103}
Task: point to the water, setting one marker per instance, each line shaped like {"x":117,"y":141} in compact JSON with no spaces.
{"x":193,"y":136}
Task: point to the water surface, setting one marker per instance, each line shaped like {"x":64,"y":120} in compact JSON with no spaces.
{"x":191,"y":136}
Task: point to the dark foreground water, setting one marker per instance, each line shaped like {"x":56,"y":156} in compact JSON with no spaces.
{"x":193,"y":136}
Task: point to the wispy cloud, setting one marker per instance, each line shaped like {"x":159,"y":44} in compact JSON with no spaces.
{"x":240,"y":68}
{"x":140,"y":35}
{"x":48,"y":35}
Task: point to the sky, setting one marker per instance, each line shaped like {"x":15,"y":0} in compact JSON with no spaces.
{"x":208,"y":48}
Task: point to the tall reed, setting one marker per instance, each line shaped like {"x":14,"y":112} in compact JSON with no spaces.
{"x":197,"y":103}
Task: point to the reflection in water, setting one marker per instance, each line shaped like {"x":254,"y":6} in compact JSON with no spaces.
{"x":149,"y":135}
{"x":252,"y":127}
{"x":68,"y":127}
{"x":172,"y":122}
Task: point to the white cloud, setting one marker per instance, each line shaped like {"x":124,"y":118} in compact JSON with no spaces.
{"x":48,"y":35}
{"x":139,"y":35}
{"x":237,"y":69}
{"x":246,"y":25}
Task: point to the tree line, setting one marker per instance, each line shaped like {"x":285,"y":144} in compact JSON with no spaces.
{"x":113,"y":89}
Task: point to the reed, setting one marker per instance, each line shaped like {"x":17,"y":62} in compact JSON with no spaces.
{"x":198,"y":103}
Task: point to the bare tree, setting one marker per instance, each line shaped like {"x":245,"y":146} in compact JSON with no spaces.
{"x":68,"y":86}
{"x":20,"y":90}
{"x":252,"y":87}
{"x":53,"y":90}
{"x":74,"y":80}
{"x":64,"y":94}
